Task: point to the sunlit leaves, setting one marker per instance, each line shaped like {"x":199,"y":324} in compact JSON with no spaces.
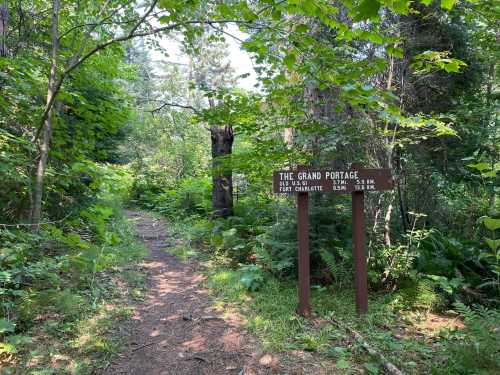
{"x":426,"y":127}
{"x":481,"y":167}
{"x":491,"y":223}
{"x":289,"y":60}
{"x":493,"y":244}
{"x":367,"y":9}
{"x":448,"y":4}
{"x":394,"y":51}
{"x":429,"y":61}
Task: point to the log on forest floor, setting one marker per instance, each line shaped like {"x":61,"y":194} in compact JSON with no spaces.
{"x":388,"y":366}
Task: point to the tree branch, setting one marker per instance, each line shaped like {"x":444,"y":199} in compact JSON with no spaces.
{"x":158,"y":109}
{"x":143,"y":18}
{"x":74,"y":64}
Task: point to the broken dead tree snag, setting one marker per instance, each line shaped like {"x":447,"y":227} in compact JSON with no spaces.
{"x":386,"y":364}
{"x":222,"y":175}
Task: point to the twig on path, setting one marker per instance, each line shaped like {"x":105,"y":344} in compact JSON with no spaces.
{"x":389,"y":366}
{"x":205,"y":317}
{"x":196,"y":357}
{"x":209,"y":317}
{"x":144,"y":346}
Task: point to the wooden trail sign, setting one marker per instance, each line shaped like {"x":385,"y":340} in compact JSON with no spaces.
{"x":356,"y":181}
{"x":331,"y":180}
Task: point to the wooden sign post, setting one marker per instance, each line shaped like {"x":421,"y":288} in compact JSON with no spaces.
{"x":356,"y":181}
{"x":303,"y":238}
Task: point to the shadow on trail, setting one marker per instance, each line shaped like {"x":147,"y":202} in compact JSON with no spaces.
{"x":176,"y":331}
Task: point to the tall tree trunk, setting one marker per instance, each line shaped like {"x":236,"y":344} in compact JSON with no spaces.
{"x":222,"y":174}
{"x":44,"y":148}
{"x":4,"y":17}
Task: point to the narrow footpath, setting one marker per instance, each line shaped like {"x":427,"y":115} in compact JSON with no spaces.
{"x":176,"y":330}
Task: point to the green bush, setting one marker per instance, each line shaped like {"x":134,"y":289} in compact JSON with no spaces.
{"x":192,"y":196}
{"x":54,"y":274}
{"x":475,"y":349}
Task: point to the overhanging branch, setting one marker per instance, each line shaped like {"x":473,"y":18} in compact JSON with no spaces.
{"x":163,"y":105}
{"x":132,"y":34}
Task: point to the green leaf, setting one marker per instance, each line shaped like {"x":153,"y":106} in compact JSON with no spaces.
{"x":452,"y":67}
{"x":426,"y":2}
{"x":248,"y":15}
{"x":168,"y":4}
{"x":372,"y":368}
{"x":490,"y":174}
{"x":309,"y":7}
{"x":367,"y":9}
{"x":302,"y":28}
{"x":7,"y":348}
{"x":289,"y":60}
{"x":342,"y":364}
{"x":491,"y":224}
{"x":6,"y":326}
{"x":493,"y":244}
{"x":225,"y":10}
{"x":479,"y":166}
{"x":395,"y":51}
{"x":448,"y":4}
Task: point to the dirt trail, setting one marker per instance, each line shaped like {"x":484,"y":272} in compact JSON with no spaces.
{"x":176,"y":331}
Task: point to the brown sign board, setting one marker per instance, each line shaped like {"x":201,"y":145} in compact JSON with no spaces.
{"x":356,"y":181}
{"x":332,"y":180}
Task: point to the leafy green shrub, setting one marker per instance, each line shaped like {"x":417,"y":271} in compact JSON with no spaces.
{"x":419,"y":293}
{"x":55,"y":274}
{"x":252,"y":277}
{"x":339,"y":263}
{"x":63,"y":304}
{"x":475,"y":349}
{"x":14,"y":174}
{"x":191,"y":196}
{"x":276,"y":247}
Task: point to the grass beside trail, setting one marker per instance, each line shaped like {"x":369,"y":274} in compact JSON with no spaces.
{"x":75,"y":327}
{"x":414,"y":339}
{"x":271,"y":316}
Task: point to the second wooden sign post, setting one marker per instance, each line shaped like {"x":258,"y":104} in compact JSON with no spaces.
{"x":356,"y":181}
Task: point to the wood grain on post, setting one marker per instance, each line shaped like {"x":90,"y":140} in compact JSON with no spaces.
{"x":304,"y":308}
{"x":358,"y":239}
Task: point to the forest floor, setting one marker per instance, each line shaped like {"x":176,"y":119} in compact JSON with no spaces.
{"x":177,"y":329}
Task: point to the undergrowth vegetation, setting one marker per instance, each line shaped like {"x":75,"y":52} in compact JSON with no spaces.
{"x":60,"y":286}
{"x":400,"y":324}
{"x":421,"y":286}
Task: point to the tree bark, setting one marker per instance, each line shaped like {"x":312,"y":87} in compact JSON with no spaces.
{"x":4,"y":17}
{"x":44,"y":148}
{"x":222,"y":174}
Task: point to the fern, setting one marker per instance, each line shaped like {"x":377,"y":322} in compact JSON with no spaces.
{"x":338,"y":269}
{"x":477,"y":347}
{"x":330,"y":262}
